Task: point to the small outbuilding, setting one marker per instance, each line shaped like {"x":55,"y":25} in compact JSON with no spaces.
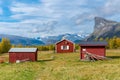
{"x":20,"y":54}
{"x":64,"y":46}
{"x":95,"y":48}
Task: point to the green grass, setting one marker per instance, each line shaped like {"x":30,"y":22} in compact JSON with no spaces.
{"x":62,"y":67}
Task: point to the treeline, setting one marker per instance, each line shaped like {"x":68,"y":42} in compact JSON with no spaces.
{"x":43,"y":47}
{"x":46,"y":48}
{"x":40,"y":47}
{"x":113,"y":43}
{"x":5,"y":45}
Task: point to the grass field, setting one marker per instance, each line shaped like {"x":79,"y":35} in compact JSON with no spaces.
{"x":62,"y":67}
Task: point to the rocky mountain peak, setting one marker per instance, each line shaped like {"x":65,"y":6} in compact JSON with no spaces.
{"x":101,"y":22}
{"x":105,"y":28}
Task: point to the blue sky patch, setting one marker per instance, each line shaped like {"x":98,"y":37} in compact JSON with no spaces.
{"x":38,"y":18}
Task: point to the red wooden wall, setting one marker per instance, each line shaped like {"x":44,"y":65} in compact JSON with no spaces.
{"x":98,"y":50}
{"x":13,"y":56}
{"x":64,"y":43}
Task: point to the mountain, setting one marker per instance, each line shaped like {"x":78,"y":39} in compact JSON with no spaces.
{"x":73,"y":37}
{"x":104,"y":29}
{"x":21,"y":40}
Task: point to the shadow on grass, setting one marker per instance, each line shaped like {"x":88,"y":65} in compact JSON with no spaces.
{"x":47,"y":59}
{"x":43,"y":60}
{"x":113,"y":57}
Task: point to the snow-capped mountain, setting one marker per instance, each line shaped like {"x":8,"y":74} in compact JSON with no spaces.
{"x":73,"y":37}
{"x":21,"y":40}
{"x":43,"y":41}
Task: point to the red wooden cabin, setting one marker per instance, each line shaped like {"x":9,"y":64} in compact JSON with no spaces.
{"x":97,"y":48}
{"x":64,"y":46}
{"x":22,"y":54}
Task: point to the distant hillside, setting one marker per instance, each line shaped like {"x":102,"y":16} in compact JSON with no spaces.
{"x":105,"y":29}
{"x":73,"y":37}
{"x":21,"y":40}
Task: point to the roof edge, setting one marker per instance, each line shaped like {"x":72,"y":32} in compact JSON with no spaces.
{"x":99,"y":43}
{"x":22,"y":49}
{"x":64,"y":39}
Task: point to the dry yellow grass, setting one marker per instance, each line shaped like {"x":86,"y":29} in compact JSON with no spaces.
{"x":62,"y":67}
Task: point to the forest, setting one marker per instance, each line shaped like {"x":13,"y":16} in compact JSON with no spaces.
{"x":5,"y":45}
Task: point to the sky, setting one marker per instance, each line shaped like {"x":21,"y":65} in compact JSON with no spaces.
{"x":41,"y":18}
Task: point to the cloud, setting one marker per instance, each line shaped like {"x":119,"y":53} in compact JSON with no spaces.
{"x":22,"y":10}
{"x":48,"y":27}
{"x":106,"y":9}
{"x":46,"y":17}
{"x":53,"y":9}
{"x":112,"y":7}
{"x":43,"y":17}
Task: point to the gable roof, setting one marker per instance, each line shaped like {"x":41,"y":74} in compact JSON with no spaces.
{"x":63,"y":40}
{"x":93,"y":43}
{"x":23,"y":50}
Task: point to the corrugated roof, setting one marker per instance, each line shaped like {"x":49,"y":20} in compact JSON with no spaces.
{"x":23,"y":50}
{"x":93,"y":43}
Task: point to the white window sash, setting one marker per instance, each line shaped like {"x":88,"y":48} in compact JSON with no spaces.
{"x":67,"y":47}
{"x":61,"y":47}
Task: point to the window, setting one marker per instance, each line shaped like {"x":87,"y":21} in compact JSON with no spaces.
{"x":64,"y":47}
{"x":83,"y":49}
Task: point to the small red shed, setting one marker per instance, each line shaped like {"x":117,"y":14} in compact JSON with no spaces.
{"x":97,"y":48}
{"x":64,"y":46}
{"x":22,"y":54}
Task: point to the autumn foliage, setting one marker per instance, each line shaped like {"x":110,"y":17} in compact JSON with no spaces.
{"x":5,"y":45}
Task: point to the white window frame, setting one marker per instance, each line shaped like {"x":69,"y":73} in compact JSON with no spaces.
{"x":65,"y":47}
